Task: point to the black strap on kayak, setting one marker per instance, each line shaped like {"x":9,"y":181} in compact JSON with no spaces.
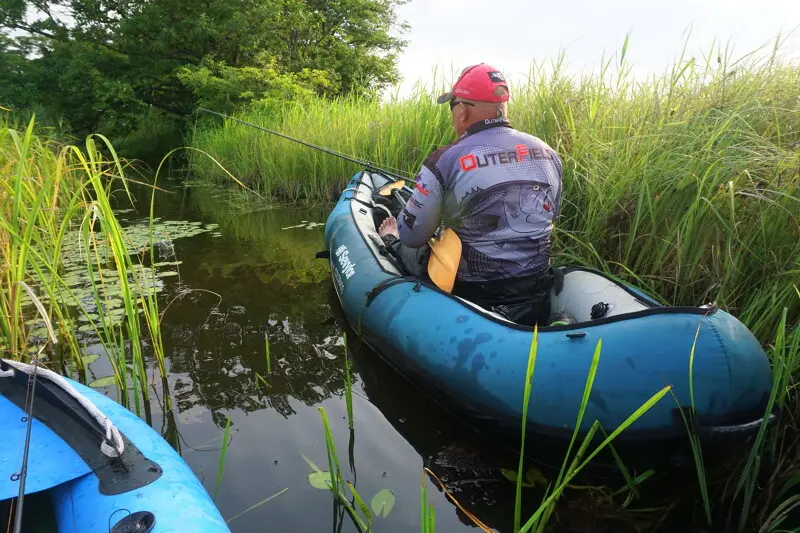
{"x":391,"y":282}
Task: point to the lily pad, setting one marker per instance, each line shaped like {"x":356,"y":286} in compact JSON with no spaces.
{"x":535,"y":477}
{"x":383,"y":502}
{"x":91,"y":358}
{"x":103,"y":382}
{"x":320,"y":480}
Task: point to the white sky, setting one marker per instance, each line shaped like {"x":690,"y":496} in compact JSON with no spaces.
{"x":510,"y":34}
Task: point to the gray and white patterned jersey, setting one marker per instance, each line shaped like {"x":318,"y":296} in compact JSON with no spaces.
{"x":500,"y":190}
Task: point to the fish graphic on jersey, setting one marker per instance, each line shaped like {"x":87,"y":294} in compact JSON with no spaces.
{"x":524,"y":207}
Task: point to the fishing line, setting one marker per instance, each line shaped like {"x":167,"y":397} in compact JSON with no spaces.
{"x":365,"y":163}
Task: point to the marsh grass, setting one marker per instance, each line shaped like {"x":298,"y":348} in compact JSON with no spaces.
{"x":427,"y":511}
{"x":333,"y":480}
{"x":50,"y":195}
{"x":266,"y":352}
{"x":572,"y":465}
{"x":694,"y":439}
{"x":348,"y":385}
{"x":685,"y":184}
{"x":764,"y":486}
{"x":223,"y":453}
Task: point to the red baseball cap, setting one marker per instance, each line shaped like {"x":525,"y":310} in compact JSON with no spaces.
{"x":478,"y":83}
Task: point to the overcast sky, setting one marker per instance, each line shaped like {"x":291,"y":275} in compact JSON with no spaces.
{"x":509,"y":34}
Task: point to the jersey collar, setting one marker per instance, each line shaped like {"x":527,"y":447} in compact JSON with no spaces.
{"x":487,"y":124}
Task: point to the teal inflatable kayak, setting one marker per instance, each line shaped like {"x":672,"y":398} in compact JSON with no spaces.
{"x":475,"y":361}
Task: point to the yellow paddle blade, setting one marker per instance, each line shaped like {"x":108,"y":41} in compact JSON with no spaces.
{"x":444,"y":259}
{"x":386,"y":190}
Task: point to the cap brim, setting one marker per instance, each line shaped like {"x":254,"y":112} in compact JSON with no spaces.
{"x":446,"y":97}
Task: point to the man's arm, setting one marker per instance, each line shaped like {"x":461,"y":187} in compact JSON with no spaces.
{"x":421,"y":216}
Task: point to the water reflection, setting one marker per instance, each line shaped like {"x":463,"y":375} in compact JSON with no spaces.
{"x":254,"y":281}
{"x":258,"y":279}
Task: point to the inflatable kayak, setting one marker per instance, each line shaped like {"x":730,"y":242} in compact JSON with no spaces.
{"x":475,"y":361}
{"x":103,"y":469}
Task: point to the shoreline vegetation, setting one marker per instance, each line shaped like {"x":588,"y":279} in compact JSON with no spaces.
{"x":60,"y":233}
{"x":687,"y":185}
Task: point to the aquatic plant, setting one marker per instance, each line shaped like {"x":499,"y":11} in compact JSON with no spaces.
{"x":59,"y":232}
{"x":333,"y":480}
{"x":685,"y":184}
{"x":381,"y":503}
{"x":348,"y":385}
{"x":223,"y":453}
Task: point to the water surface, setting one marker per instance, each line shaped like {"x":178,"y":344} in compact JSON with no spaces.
{"x":256,"y":275}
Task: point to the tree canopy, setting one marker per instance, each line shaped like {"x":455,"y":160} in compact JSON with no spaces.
{"x":110,"y":65}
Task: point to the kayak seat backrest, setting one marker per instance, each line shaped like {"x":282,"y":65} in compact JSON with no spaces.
{"x":583,"y":290}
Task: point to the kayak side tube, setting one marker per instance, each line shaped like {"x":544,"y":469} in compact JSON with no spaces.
{"x":468,"y":358}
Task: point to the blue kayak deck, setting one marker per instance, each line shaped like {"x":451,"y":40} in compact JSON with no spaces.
{"x":51,"y":461}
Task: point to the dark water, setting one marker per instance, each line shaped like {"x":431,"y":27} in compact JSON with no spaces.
{"x":258,"y":278}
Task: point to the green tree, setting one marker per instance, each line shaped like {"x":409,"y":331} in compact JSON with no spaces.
{"x":111,"y":65}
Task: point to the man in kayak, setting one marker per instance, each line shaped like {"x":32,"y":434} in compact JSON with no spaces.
{"x":499,"y":189}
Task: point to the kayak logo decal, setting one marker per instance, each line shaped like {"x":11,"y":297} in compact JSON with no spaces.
{"x":343,"y":256}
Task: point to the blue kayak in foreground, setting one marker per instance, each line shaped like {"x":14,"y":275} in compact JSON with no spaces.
{"x":102,"y":467}
{"x":475,"y":361}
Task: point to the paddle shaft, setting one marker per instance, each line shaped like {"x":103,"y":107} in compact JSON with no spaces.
{"x":346,"y":157}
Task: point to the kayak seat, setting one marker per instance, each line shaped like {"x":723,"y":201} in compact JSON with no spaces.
{"x":583,"y":294}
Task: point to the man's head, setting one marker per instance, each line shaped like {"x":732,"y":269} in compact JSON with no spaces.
{"x":480,"y":93}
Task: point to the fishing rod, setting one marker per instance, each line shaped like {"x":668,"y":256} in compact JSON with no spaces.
{"x":30,"y":394}
{"x":346,"y":157}
{"x":23,"y":473}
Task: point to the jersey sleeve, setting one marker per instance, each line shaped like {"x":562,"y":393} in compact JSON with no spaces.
{"x":421,"y":216}
{"x":560,"y":169}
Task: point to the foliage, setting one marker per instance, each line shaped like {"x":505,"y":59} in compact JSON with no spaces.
{"x":686,"y":184}
{"x":106,"y":65}
{"x":58,"y":233}
{"x":219,"y":86}
{"x":381,"y":503}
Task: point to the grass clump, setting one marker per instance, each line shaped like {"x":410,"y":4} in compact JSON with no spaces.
{"x":59,"y":234}
{"x":685,"y":184}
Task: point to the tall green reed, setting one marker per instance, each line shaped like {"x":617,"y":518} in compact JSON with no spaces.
{"x":685,"y":183}
{"x":773,"y":458}
{"x":572,"y":465}
{"x":223,"y":453}
{"x":348,"y":385}
{"x":689,"y":422}
{"x":48,"y":192}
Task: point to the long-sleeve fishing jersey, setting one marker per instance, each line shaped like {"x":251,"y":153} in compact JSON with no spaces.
{"x":499,"y":189}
